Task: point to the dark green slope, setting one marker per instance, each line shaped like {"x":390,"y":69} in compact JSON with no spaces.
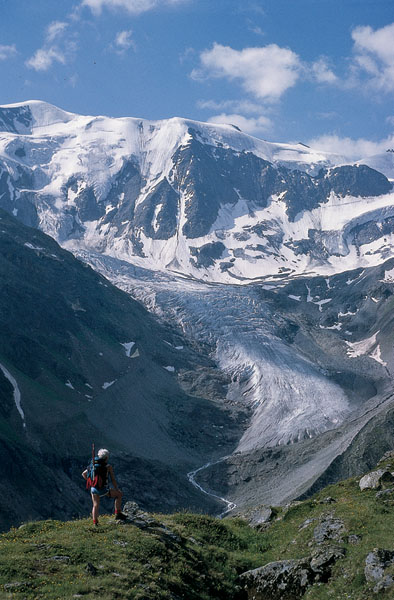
{"x":62,"y":327}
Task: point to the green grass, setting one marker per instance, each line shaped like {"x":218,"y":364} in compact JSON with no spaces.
{"x":205,"y":561}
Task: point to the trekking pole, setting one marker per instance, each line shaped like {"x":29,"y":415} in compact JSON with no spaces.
{"x":93,"y":453}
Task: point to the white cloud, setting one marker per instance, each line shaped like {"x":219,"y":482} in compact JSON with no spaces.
{"x":251,"y":125}
{"x":44,"y":58}
{"x":321,"y":71}
{"x":7,"y":51}
{"x":350,"y":148}
{"x":256,"y":29}
{"x":390,"y":120}
{"x":57,"y":48}
{"x":55,"y":29}
{"x":134,"y":7}
{"x":265,"y":72}
{"x":123,"y":41}
{"x":374,"y":56}
{"x":237,"y":106}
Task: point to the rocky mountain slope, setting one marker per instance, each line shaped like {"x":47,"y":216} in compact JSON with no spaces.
{"x":80,"y":361}
{"x":337,"y":544}
{"x":269,"y":268}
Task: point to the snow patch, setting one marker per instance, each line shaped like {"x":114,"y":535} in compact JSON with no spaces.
{"x":376,"y":355}
{"x":389,"y":276}
{"x":69,"y":385}
{"x":362,"y":347}
{"x":337,"y":326}
{"x":320,"y":303}
{"x":17,"y":393}
{"x":108,"y":384}
{"x":170,"y":369}
{"x":128,"y":346}
{"x":28,"y":245}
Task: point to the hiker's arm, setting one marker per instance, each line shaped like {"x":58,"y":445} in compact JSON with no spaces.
{"x":111,"y":474}
{"x":85,"y":474}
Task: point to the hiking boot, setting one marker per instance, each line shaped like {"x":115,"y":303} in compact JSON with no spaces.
{"x":120,"y":516}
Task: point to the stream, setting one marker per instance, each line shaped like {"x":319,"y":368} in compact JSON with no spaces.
{"x":192,"y":478}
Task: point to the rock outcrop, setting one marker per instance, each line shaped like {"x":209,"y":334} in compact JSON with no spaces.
{"x":290,"y":579}
{"x":376,"y":479}
{"x":376,"y":564}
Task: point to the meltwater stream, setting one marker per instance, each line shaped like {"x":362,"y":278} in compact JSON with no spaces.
{"x":192,"y":478}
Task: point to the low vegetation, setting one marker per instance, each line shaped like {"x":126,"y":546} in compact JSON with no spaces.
{"x":196,"y":557}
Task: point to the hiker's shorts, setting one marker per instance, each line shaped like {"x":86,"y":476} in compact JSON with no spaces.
{"x":99,"y":491}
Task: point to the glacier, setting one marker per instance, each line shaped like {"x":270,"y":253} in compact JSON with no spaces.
{"x":206,"y":225}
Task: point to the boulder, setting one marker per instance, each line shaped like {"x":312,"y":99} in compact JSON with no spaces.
{"x":376,"y":563}
{"x":290,"y":579}
{"x":280,"y":580}
{"x":306,"y":523}
{"x":384,"y":584}
{"x":354,"y":539}
{"x":330,"y":528}
{"x":261,"y":516}
{"x":387,"y":456}
{"x":384,"y":493}
{"x":142,"y":520}
{"x":375,"y":479}
{"x":323,"y":559}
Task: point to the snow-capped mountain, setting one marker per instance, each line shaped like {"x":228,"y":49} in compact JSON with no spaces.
{"x":202,"y":200}
{"x":180,"y":213}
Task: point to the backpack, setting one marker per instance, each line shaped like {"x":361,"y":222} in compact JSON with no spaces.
{"x":97,"y":473}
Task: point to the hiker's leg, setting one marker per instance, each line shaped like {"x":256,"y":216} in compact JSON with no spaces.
{"x":96,"y":506}
{"x":117,"y":494}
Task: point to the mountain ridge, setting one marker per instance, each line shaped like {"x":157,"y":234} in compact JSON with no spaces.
{"x":184,"y":196}
{"x":276,"y":278}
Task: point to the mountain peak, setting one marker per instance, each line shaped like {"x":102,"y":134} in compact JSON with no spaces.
{"x":24,"y":117}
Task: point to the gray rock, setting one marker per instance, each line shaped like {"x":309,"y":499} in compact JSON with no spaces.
{"x":354,"y":539}
{"x":323,"y":559}
{"x":289,"y":579}
{"x":121,"y":543}
{"x":327,"y":500}
{"x":376,"y":563}
{"x":384,"y":584}
{"x":59,"y":558}
{"x":13,"y":586}
{"x":375,"y":479}
{"x":306,"y":523}
{"x":387,"y":455}
{"x":261,"y":516}
{"x":330,"y":528}
{"x":280,"y":580}
{"x":384,"y":493}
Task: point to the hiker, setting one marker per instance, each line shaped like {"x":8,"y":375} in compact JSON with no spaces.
{"x":103,"y":469}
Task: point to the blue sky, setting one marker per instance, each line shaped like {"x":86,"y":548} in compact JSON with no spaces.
{"x":317,"y":71}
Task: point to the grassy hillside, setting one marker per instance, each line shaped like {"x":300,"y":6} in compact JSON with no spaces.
{"x":196,"y":556}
